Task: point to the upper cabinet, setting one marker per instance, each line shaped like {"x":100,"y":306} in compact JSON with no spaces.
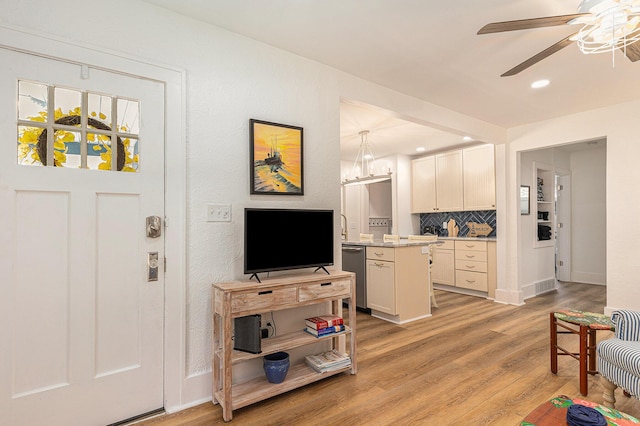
{"x":479,"y":178}
{"x":449,"y":181}
{"x":423,"y":185}
{"x":452,"y":181}
{"x":437,"y":183}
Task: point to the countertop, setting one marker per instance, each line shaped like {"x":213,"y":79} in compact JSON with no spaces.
{"x":402,"y":243}
{"x":469,"y":238}
{"x":407,"y":243}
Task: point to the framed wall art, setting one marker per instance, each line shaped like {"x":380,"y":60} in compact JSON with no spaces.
{"x":276,"y":158}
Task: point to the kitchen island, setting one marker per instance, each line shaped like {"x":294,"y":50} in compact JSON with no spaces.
{"x":396,"y":280}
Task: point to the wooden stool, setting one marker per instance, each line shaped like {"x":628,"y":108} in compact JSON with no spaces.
{"x":588,"y":323}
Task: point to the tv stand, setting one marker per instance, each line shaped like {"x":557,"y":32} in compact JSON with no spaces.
{"x":241,"y":298}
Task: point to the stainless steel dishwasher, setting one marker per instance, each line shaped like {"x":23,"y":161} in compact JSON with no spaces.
{"x":354,"y":260}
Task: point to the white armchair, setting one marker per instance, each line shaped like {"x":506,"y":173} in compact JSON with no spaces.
{"x":619,"y":357}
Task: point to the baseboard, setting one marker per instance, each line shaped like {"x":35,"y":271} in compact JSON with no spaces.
{"x":588,"y":278}
{"x":394,"y":318}
{"x":508,"y":297}
{"x":539,"y":287}
{"x":460,"y":290}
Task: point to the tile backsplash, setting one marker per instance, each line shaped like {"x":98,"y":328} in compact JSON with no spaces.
{"x":461,"y":218}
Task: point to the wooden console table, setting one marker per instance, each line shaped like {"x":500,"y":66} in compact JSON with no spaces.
{"x":241,"y":298}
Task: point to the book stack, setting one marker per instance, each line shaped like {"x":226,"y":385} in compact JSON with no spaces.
{"x":324,"y":325}
{"x":328,"y":361}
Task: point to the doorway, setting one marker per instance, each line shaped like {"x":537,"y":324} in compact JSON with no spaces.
{"x":579,"y":251}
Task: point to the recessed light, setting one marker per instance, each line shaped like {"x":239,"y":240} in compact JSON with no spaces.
{"x":467,"y":139}
{"x":421,"y":149}
{"x":539,"y":84}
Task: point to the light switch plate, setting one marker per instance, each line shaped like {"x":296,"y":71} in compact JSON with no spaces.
{"x":218,"y":213}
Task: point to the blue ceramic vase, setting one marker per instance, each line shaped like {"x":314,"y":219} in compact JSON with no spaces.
{"x":276,"y":366}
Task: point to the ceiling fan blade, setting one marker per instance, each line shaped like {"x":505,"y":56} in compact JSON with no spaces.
{"x":633,"y":51}
{"x":526,"y":24}
{"x":540,"y":56}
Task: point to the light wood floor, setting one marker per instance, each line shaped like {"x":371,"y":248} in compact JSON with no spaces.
{"x":474,"y":362}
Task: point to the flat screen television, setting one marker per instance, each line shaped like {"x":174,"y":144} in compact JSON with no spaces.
{"x":281,"y":239}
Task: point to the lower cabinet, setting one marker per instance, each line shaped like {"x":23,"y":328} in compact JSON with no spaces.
{"x":443,"y":269}
{"x":381,"y":286}
{"x":466,"y":264}
{"x":398,"y":283}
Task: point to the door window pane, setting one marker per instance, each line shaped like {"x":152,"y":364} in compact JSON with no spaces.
{"x":100,"y":108}
{"x":67,"y":102}
{"x":90,"y":146}
{"x":32,"y":101}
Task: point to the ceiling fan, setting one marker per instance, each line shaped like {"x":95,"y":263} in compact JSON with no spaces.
{"x":606,"y":25}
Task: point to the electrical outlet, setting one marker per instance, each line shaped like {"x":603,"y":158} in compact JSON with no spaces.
{"x":218,"y":213}
{"x":264,"y":332}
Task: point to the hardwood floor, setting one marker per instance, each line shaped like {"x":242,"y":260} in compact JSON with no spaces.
{"x":474,"y":362}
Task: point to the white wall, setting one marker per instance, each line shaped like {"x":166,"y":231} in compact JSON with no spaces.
{"x":229,"y":79}
{"x":623,"y":199}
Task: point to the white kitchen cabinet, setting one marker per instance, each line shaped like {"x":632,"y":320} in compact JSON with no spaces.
{"x":381,"y":291}
{"x":436,"y":183}
{"x":398,"y":282}
{"x":465,"y":264}
{"x":423,"y":185}
{"x":449,"y":181}
{"x":443,"y":269}
{"x":479,"y":177}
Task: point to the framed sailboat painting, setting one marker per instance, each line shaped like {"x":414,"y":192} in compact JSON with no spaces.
{"x":276,"y":158}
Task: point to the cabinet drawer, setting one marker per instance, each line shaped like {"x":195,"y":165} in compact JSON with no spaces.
{"x":477,"y":256}
{"x":319,"y":291}
{"x":471,"y":265}
{"x":471,"y":245}
{"x":471,"y":280}
{"x":380,"y":253}
{"x":263,"y":299}
{"x":446,"y":245}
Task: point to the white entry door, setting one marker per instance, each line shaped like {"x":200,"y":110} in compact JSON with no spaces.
{"x":81,"y":324}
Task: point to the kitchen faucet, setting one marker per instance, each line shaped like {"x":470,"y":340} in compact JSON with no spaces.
{"x":344,"y":233}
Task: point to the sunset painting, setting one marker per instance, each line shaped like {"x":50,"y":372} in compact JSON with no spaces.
{"x":276,"y":158}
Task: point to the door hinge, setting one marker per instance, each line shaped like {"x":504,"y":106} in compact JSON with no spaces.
{"x":560,"y":187}
{"x":560,"y":263}
{"x":165,"y":264}
{"x":166,"y":222}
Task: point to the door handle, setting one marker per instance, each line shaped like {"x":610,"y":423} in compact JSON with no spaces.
{"x":154,"y":226}
{"x":152,"y":266}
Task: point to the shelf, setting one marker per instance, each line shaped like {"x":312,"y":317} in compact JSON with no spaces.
{"x":258,"y":389}
{"x":544,"y":221}
{"x":283,"y":342}
{"x":232,"y":299}
{"x":544,"y":202}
